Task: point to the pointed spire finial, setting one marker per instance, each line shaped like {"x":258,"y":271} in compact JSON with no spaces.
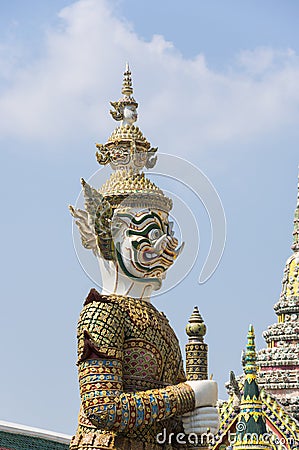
{"x":196,"y":327}
{"x":250,"y":367}
{"x":196,"y":348}
{"x":127,"y":88}
{"x":295,"y":245}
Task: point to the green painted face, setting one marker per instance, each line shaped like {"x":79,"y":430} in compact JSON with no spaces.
{"x":144,"y":243}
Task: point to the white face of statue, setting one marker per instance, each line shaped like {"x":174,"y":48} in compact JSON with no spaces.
{"x":144,"y":244}
{"x":130,"y":115}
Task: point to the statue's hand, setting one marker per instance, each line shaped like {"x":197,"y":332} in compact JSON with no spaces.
{"x":201,"y":420}
{"x":205,"y":417}
{"x":206,"y":392}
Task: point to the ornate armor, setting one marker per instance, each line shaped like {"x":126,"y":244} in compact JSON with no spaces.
{"x":131,"y":376}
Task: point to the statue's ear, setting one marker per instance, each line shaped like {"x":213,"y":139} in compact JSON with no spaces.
{"x":103,"y":230}
{"x":117,"y":114}
{"x":100,"y":214}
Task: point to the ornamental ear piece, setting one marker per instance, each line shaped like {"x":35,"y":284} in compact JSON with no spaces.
{"x":94,"y":222}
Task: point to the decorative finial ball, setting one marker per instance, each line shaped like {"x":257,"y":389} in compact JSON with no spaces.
{"x":196,"y":326}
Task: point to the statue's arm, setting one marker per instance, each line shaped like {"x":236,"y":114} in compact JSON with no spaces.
{"x":108,"y":407}
{"x":101,"y":334}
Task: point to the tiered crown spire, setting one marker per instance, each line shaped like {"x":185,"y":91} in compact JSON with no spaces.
{"x":127,"y":99}
{"x":126,"y":148}
{"x":128,"y":152}
{"x":127,"y":89}
{"x":251,"y":426}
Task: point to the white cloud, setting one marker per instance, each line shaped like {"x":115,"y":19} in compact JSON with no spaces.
{"x":67,"y":91}
{"x":262,"y":59}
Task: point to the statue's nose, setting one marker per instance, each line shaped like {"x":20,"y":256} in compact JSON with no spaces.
{"x":160,"y":244}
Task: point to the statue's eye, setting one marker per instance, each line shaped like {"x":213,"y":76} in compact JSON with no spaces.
{"x":155,"y":234}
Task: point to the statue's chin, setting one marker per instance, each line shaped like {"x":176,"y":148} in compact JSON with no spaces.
{"x":154,"y":281}
{"x":117,"y":281}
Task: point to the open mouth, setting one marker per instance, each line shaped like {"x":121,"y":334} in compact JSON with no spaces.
{"x":166,"y":258}
{"x":149,"y":255}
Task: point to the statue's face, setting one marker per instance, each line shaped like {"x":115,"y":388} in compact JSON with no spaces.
{"x":144,"y":243}
{"x":130,"y":114}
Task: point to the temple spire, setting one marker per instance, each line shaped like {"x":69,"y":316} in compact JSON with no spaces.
{"x":295,"y":245}
{"x":278,"y":363}
{"x":251,"y":427}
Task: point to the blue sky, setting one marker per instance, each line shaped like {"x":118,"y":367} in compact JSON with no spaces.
{"x":217,"y":84}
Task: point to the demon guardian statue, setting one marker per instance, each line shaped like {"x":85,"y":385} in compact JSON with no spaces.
{"x":132,"y":382}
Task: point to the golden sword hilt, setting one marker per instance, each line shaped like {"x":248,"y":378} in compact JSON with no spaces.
{"x":196,"y":356}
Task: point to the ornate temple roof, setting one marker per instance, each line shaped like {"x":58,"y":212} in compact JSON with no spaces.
{"x":253,"y":418}
{"x":276,"y":380}
{"x":284,"y":429}
{"x":21,"y":437}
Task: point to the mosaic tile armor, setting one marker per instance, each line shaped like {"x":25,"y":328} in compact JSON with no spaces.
{"x":131,"y":375}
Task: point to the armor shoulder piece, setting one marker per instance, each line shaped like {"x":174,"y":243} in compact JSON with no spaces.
{"x":100,"y":329}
